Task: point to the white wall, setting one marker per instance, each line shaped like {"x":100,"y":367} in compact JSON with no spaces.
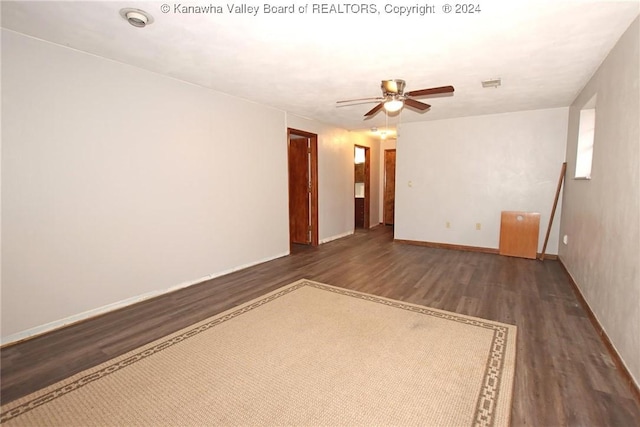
{"x":467,"y":170}
{"x":119,"y":183}
{"x":601,"y":217}
{"x":336,"y":176}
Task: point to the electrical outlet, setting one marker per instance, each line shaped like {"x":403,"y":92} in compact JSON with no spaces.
{"x":478,"y":226}
{"x":565,"y":239}
{"x":448,"y":225}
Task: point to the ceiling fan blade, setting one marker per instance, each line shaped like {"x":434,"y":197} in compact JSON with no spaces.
{"x":360,"y":99}
{"x":431,"y":91}
{"x":417,"y":104}
{"x":374,"y":109}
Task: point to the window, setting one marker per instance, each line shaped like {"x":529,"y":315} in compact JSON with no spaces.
{"x":586,"y":133}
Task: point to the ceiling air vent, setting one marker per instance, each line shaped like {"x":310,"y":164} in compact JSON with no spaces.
{"x":492,"y":83}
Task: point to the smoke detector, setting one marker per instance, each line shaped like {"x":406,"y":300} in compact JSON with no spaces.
{"x":136,"y":17}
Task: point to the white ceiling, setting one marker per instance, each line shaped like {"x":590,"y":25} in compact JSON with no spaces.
{"x":544,"y":51}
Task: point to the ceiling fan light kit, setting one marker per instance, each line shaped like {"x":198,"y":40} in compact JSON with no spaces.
{"x":393,"y":105}
{"x":394,"y":98}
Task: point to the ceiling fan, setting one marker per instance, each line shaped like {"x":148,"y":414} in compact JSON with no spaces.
{"x":394,"y":98}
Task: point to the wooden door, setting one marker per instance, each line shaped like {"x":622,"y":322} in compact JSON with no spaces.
{"x":299,"y":186}
{"x":389,"y":186}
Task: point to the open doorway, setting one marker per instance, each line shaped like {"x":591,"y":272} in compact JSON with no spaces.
{"x":362,"y":178}
{"x":303,"y":187}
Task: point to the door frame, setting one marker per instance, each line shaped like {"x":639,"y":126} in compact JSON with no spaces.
{"x":384,"y":188}
{"x":313,"y":178}
{"x":367,"y":184}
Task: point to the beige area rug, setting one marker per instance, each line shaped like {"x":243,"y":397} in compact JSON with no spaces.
{"x":305,"y":354}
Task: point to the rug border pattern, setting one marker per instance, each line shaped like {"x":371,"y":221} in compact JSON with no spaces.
{"x":488,"y":394}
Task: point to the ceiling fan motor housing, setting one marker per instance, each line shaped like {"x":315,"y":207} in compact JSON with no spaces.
{"x":392,"y":87}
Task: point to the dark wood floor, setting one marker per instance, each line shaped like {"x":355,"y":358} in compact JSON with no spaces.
{"x":564,"y":375}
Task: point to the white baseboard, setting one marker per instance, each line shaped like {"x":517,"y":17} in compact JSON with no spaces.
{"x":57,"y":324}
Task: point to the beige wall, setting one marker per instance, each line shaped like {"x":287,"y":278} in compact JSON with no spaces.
{"x":467,"y":170}
{"x":118,"y":183}
{"x":601,"y":216}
